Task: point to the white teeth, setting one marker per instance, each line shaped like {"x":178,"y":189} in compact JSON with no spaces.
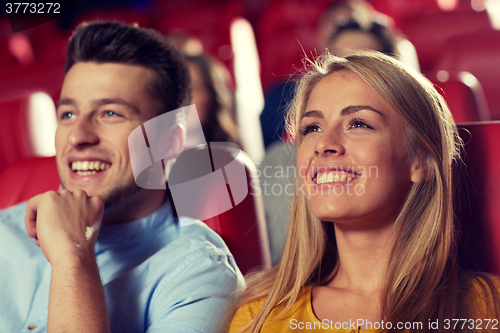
{"x":332,"y":178}
{"x":85,"y":173}
{"x":89,"y":167}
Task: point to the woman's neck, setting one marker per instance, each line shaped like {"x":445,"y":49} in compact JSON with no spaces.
{"x":363,"y":258}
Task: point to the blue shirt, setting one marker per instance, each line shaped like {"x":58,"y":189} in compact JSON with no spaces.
{"x":157,"y":276}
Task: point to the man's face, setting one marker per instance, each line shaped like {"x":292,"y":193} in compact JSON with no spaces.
{"x":100,"y":105}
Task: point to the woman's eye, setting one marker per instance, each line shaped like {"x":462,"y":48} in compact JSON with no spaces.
{"x":359,"y":123}
{"x":309,"y":129}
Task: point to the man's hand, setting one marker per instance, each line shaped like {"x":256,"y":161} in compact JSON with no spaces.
{"x":58,"y":222}
{"x":65,"y":225}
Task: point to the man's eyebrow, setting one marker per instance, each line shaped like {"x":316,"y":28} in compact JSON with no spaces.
{"x":65,"y":101}
{"x":105,"y":101}
{"x":312,"y":114}
{"x":355,"y":108}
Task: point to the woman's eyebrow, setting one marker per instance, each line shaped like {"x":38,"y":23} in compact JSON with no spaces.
{"x":312,"y":114}
{"x":355,"y":108}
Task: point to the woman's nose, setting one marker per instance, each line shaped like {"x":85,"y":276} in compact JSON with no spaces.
{"x":329,"y":143}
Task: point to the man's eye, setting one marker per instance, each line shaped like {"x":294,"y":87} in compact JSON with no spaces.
{"x":359,"y":123}
{"x":111,"y":114}
{"x":67,"y":115}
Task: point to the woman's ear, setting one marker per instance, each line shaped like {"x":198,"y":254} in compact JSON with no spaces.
{"x":420,"y":169}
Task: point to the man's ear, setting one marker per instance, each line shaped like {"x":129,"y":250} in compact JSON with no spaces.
{"x":420,"y":169}
{"x":175,"y":137}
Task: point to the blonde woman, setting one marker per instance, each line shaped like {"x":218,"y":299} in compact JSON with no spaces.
{"x":371,"y":239}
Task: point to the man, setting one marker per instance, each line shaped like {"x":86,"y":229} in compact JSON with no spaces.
{"x":111,"y":255}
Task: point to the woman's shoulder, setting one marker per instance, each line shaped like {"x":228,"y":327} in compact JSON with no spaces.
{"x":248,"y":311}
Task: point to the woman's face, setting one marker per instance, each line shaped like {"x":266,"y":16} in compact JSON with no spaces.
{"x":352,"y":40}
{"x":353,"y":160}
{"x":200,"y":93}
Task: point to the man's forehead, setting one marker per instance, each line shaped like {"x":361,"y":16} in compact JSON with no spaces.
{"x":108,"y":83}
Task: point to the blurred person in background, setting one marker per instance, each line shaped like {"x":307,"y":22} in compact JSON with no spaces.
{"x":214,"y":100}
{"x":212,"y":93}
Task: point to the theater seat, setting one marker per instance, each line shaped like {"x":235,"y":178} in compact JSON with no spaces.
{"x":464,"y":95}
{"x":429,"y":32}
{"x":478,"y":197}
{"x":479,"y":54}
{"x":26,"y":178}
{"x":243,"y":227}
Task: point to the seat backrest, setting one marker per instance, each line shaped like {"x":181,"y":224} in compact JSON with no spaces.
{"x":243,"y":227}
{"x":479,"y":54}
{"x":478,"y":196}
{"x":464,"y":95}
{"x":429,"y":32}
{"x":26,"y":178}
{"x":286,"y":34}
{"x":14,"y":144}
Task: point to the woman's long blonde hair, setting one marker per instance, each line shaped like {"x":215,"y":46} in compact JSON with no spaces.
{"x":423,"y":281}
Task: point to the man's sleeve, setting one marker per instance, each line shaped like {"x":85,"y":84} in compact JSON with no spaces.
{"x":197,"y":298}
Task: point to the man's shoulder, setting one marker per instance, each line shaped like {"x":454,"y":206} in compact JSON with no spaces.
{"x":12,"y":218}
{"x":197,"y":236}
{"x":13,"y":213}
{"x":193,"y":248}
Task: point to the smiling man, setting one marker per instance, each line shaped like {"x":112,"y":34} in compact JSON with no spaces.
{"x":108,"y":255}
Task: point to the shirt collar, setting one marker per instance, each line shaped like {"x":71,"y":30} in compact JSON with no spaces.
{"x":138,"y":230}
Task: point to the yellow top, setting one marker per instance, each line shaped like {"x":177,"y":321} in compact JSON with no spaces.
{"x":301,"y":318}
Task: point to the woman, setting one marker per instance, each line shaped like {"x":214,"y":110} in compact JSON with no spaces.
{"x":371,"y":238}
{"x":213,"y":99}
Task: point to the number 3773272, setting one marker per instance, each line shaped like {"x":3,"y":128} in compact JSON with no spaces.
{"x":33,"y":8}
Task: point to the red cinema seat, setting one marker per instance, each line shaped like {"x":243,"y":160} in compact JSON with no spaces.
{"x":26,"y":178}
{"x":14,"y":144}
{"x":479,"y":54}
{"x":243,"y":227}
{"x":463,"y":94}
{"x":27,"y":126}
{"x":400,"y":10}
{"x":478,"y":197}
{"x":22,"y":81}
{"x":287,"y":33}
{"x":122,"y":14}
{"x":210,"y":23}
{"x":429,"y":32}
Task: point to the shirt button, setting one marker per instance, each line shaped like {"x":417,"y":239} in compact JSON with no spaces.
{"x":31,"y":327}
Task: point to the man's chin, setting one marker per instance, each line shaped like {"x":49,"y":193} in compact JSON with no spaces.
{"x":112,"y":197}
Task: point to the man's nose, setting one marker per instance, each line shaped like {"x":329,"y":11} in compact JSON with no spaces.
{"x":329,"y":143}
{"x":83,"y":133}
